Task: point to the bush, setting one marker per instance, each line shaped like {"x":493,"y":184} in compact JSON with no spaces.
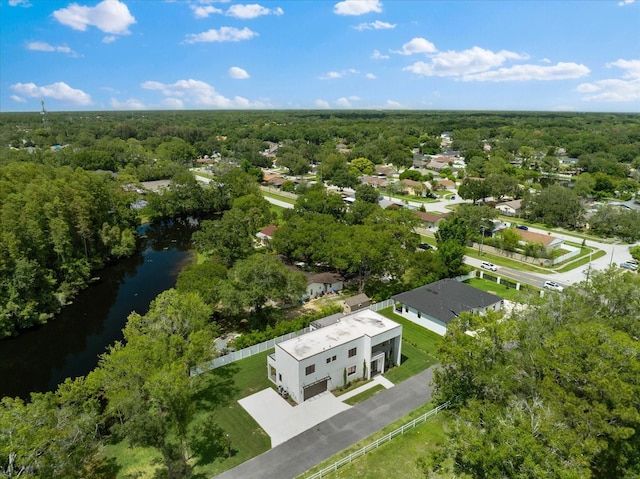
{"x":283,"y":327}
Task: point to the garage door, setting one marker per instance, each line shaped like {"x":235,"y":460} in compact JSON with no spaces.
{"x":315,"y":389}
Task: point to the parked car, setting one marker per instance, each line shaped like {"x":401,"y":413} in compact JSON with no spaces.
{"x":552,"y":285}
{"x":489,"y":266}
{"x":633,"y":266}
{"x":522,"y":227}
{"x":424,"y":246}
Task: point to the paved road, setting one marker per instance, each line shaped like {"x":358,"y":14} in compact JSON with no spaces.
{"x":313,"y":446}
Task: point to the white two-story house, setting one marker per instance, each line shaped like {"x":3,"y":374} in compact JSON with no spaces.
{"x":360,"y":345}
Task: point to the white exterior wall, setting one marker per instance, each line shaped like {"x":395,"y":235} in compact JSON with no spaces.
{"x":291,"y":375}
{"x":317,"y":289}
{"x":425,"y":321}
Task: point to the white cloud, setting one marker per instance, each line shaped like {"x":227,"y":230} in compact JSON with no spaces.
{"x":343,"y":103}
{"x":204,"y":11}
{"x":45,"y":47}
{"x":632,"y":67}
{"x":391,"y":104}
{"x":238,"y":73}
{"x":545,"y":60}
{"x":200,"y":94}
{"x":109,"y":39}
{"x":417,"y":45}
{"x":18,"y":99}
{"x":130,"y":104}
{"x":173,"y":103}
{"x":357,"y":7}
{"x":19,"y":3}
{"x":224,"y":34}
{"x":246,"y":12}
{"x":614,"y":89}
{"x":58,"y":91}
{"x":376,"y":55}
{"x":560,"y":71}
{"x":109,"y":16}
{"x":626,"y":2}
{"x":322,"y":104}
{"x":466,"y":62}
{"x":370,"y":76}
{"x":333,"y":75}
{"x":377,"y":25}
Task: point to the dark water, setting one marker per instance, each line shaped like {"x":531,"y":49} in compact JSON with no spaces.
{"x":68,"y":345}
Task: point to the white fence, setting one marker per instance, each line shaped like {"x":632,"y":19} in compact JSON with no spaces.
{"x":376,"y":444}
{"x":245,"y":353}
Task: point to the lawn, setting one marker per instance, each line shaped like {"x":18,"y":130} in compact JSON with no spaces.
{"x":223,"y":387}
{"x":364,"y":395}
{"x":501,"y":290}
{"x":419,"y":348}
{"x":396,"y":458}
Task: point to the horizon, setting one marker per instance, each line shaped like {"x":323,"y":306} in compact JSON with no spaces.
{"x":350,"y":55}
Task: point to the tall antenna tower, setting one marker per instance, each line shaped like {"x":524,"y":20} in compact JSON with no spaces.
{"x":43,"y":113}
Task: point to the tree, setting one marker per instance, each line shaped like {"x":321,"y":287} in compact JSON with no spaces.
{"x":294,"y":162}
{"x":548,"y":391}
{"x":555,"y":205}
{"x":204,"y":279}
{"x":147,"y":383}
{"x":473,"y":189}
{"x":367,"y":193}
{"x":362,"y":166}
{"x":260,"y":278}
{"x":318,"y":200}
{"x":230,"y":238}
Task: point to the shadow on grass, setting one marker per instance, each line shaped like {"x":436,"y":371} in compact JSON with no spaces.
{"x":217,"y":387}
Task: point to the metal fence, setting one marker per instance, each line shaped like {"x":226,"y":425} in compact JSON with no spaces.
{"x":245,"y":353}
{"x":376,"y":444}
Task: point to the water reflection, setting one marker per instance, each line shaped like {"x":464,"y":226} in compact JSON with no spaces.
{"x":69,"y":345}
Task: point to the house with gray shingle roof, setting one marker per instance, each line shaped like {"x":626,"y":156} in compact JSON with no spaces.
{"x":434,"y":306}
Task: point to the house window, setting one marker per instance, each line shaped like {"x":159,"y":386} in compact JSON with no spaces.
{"x":406,"y":309}
{"x":353,"y":352}
{"x":280,"y":377}
{"x":419,"y":315}
{"x":328,"y":360}
{"x":333,"y":358}
{"x":310,"y":369}
{"x":351,"y":370}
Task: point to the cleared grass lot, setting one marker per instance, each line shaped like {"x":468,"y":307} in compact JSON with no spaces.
{"x":396,"y":458}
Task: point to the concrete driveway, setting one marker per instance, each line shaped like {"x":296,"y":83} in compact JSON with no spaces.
{"x":282,"y":421}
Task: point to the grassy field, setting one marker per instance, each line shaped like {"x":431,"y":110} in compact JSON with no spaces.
{"x":419,"y":348}
{"x":501,"y":290}
{"x":396,"y":458}
{"x":223,"y":387}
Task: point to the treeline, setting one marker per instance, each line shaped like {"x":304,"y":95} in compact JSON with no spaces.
{"x":552,"y":390}
{"x":57,"y":225}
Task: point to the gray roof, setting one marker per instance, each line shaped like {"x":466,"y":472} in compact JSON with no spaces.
{"x":446,"y":299}
{"x":357,"y":299}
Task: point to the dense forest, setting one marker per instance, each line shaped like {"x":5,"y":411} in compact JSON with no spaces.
{"x":71,"y":197}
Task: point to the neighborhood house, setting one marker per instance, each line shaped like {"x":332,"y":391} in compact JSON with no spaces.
{"x":435,"y":305}
{"x":360,"y":345}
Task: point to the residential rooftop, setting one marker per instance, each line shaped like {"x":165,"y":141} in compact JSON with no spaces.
{"x":353,"y":326}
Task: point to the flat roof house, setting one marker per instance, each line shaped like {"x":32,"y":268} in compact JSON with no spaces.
{"x":360,"y":345}
{"x":435,"y":305}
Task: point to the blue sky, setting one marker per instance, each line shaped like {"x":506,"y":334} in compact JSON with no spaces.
{"x":315,"y":54}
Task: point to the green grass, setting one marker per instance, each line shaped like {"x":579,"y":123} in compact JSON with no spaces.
{"x":419,"y":348}
{"x":396,"y":458}
{"x":240,"y":379}
{"x":364,"y":395}
{"x":500,"y":289}
{"x":222,"y":389}
{"x":286,"y":199}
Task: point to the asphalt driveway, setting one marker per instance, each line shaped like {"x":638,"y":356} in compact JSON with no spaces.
{"x":322,"y":441}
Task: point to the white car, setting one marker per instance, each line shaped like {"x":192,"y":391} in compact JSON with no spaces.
{"x":552,"y":285}
{"x":631,"y":265}
{"x":489,"y":266}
